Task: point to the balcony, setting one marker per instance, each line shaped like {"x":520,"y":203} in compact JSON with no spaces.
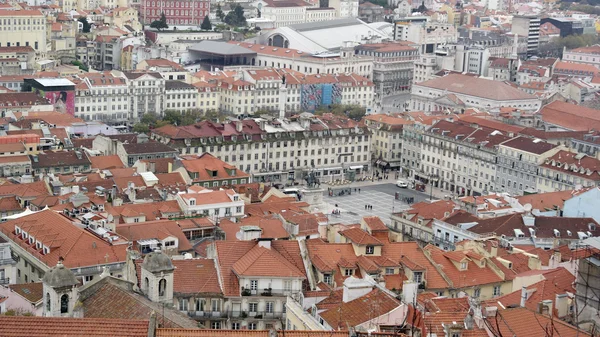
{"x":206,"y":314}
{"x":268,"y":292}
{"x":256,"y":314}
{"x":5,"y":280}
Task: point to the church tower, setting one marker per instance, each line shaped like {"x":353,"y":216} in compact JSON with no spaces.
{"x":157,"y":277}
{"x":60,"y":291}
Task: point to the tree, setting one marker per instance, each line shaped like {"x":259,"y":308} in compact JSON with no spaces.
{"x":161,"y":23}
{"x":219,"y":13}
{"x":148,"y":119}
{"x":354,"y":111}
{"x":206,"y":25}
{"x":141,"y":128}
{"x":86,"y":25}
{"x":80,"y":65}
{"x":236,"y":17}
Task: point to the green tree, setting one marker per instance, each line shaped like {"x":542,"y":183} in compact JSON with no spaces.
{"x":161,"y":23}
{"x":219,"y":13}
{"x":236,"y":17}
{"x":354,"y":112}
{"x":148,"y":119}
{"x":86,"y":25}
{"x":80,"y":65}
{"x":206,"y":25}
{"x":141,"y":128}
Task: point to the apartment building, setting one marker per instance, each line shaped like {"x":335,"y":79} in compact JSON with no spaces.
{"x":568,"y":171}
{"x":24,"y":56}
{"x":24,"y":28}
{"x":180,"y":96}
{"x":146,"y":93}
{"x":101,"y":97}
{"x":528,"y":26}
{"x":208,"y":171}
{"x":277,"y":55}
{"x":214,"y":204}
{"x":185,"y":13}
{"x":278,"y":149}
{"x":585,"y":55}
{"x":256,"y":278}
{"x":518,"y":164}
{"x":393,"y":66}
{"x":386,"y":136}
{"x":286,"y":13}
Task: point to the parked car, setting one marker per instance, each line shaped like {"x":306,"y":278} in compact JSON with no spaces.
{"x":402,"y":183}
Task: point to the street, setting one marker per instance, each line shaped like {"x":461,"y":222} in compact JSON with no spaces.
{"x":380,"y":196}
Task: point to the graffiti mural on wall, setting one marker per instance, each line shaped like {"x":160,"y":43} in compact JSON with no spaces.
{"x":314,"y":95}
{"x":63,"y":101}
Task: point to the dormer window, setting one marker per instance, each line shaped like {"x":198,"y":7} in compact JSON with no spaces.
{"x":370,"y":250}
{"x":349,"y":272}
{"x":17,"y":230}
{"x":31,"y":240}
{"x":463,"y":265}
{"x":192,"y":202}
{"x":38,"y":245}
{"x":46,"y":250}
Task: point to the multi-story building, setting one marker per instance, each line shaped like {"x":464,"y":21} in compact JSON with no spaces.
{"x":425,"y":68}
{"x":427,"y":35}
{"x":285,"y":13}
{"x":102,"y":96}
{"x":585,"y":55}
{"x":24,"y":55}
{"x":393,"y":66}
{"x":24,"y":28}
{"x":186,"y":13}
{"x":277,"y":55}
{"x":180,"y":96}
{"x":568,"y":171}
{"x":528,"y":26}
{"x":146,"y":93}
{"x":459,"y":91}
{"x":518,"y":164}
{"x":214,"y":204}
{"x":208,"y":171}
{"x":386,"y":139}
{"x":256,"y":279}
{"x":108,"y":52}
{"x":279,"y":149}
{"x":345,"y":8}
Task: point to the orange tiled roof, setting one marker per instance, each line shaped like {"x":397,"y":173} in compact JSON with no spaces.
{"x":523,"y":322}
{"x":374,"y":223}
{"x":106,"y":162}
{"x":160,"y":230}
{"x":34,"y":326}
{"x":265,"y":262}
{"x":78,"y":247}
{"x":410,"y":251}
{"x":195,"y":276}
{"x":360,"y":237}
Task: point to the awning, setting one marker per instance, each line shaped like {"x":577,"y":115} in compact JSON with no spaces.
{"x":383,"y":163}
{"x":268,"y":173}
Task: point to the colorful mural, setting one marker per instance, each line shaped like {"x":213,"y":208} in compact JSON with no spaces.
{"x":63,"y":101}
{"x":314,"y":95}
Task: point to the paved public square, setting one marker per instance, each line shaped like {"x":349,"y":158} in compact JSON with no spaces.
{"x":352,"y":206}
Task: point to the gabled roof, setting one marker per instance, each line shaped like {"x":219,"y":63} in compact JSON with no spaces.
{"x":32,"y":292}
{"x":265,"y":262}
{"x":523,"y":322}
{"x":360,"y":237}
{"x":78,"y":247}
{"x":195,"y":276}
{"x":208,"y":168}
{"x":106,"y":162}
{"x":474,"y":275}
{"x":350,"y":314}
{"x":159,"y":230}
{"x":571,"y":116}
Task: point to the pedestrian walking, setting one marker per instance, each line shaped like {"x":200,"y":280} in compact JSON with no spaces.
{"x":359,"y":191}
{"x":365,"y":206}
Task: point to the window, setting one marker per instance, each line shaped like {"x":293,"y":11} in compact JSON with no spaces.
{"x":349,"y":272}
{"x":269,"y":307}
{"x":418,"y":276}
{"x":389,"y":271}
{"x":64,"y":304}
{"x":47,"y":302}
{"x":217,"y":325}
{"x":253,"y":307}
{"x":252,"y":326}
{"x":235,"y":326}
{"x":215,"y":305}
{"x":463,"y":265}
{"x":162,"y":287}
{"x":327,"y":278}
{"x":183,"y":304}
{"x":476,"y":292}
{"x":496,"y":290}
{"x":253,"y":284}
{"x":370,"y":249}
{"x":287,"y":285}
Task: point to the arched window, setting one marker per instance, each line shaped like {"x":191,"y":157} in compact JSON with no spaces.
{"x":162,"y":287}
{"x":64,"y":304}
{"x":47,"y":301}
{"x":146,"y":284}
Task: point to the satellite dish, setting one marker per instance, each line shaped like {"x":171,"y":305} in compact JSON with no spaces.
{"x":527,"y":207}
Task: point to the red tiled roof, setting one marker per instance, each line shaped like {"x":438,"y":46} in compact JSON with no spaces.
{"x":32,"y":292}
{"x":523,"y":322}
{"x":206,"y":163}
{"x":78,"y":247}
{"x":34,"y":326}
{"x":195,"y":276}
{"x":374,"y":223}
{"x":159,"y":230}
{"x":571,"y":116}
{"x":106,"y":162}
{"x":265,"y":262}
{"x":360,"y":237}
{"x":271,"y":227}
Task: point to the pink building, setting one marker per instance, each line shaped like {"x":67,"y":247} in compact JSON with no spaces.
{"x":185,"y":12}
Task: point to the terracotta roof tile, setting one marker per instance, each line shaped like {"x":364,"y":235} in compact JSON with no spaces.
{"x":62,"y":326}
{"x":195,"y":276}
{"x":360,"y":237}
{"x":260,"y":261}
{"x":106,"y":162}
{"x":410,"y":251}
{"x":523,"y":322}
{"x":374,"y":223}
{"x":205,"y":164}
{"x":32,"y":292}
{"x":159,"y":230}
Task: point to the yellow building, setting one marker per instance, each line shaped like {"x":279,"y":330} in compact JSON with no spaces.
{"x":23,"y":28}
{"x":127,"y":58}
{"x":122,"y":16}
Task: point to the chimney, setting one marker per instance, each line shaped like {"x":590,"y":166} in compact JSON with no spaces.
{"x":75,"y":189}
{"x":528,"y":220}
{"x":562,"y":305}
{"x":239,"y":126}
{"x":355,"y":288}
{"x":545,"y":307}
{"x":409,"y":292}
{"x":265,"y":243}
{"x":523,"y":296}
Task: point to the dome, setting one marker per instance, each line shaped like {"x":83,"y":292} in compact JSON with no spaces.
{"x":157,"y":261}
{"x":59,"y":276}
